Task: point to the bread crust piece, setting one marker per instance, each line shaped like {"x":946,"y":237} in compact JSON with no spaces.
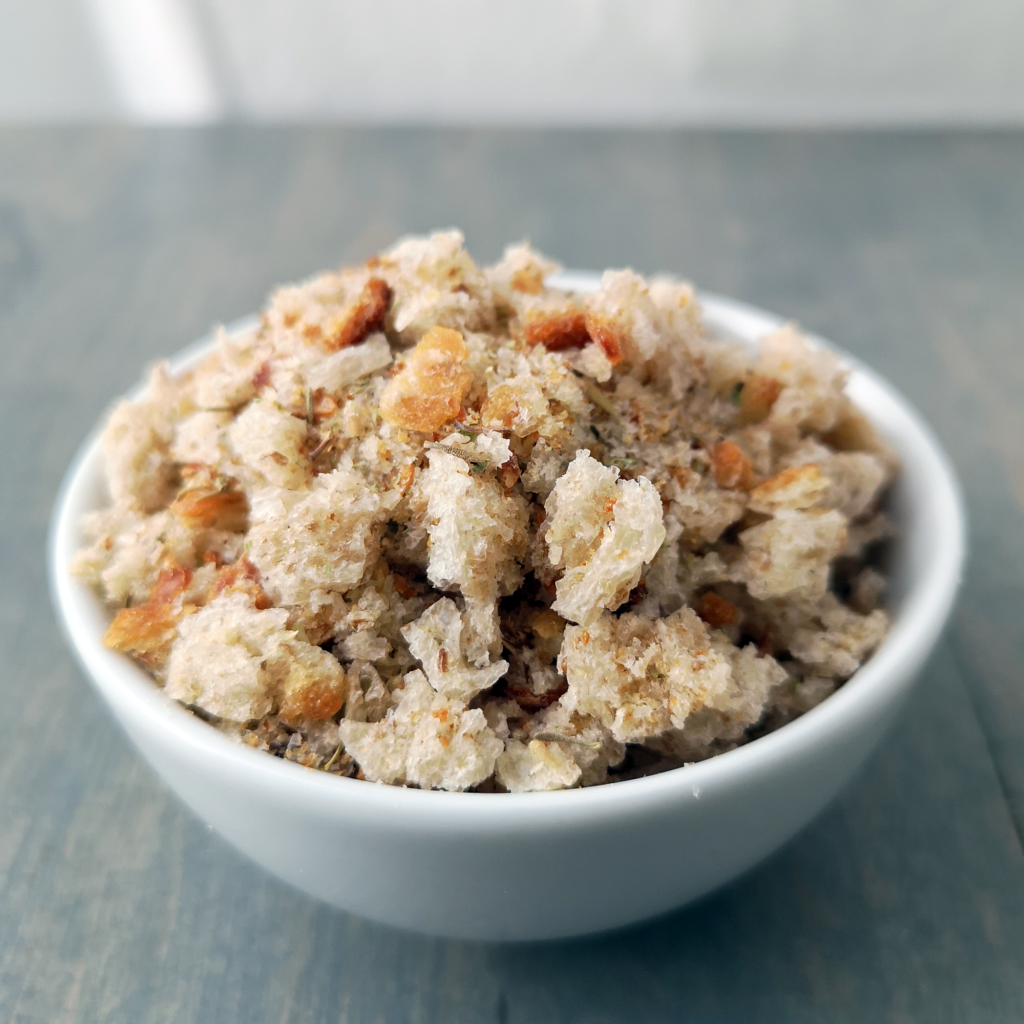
{"x":625,"y":322}
{"x":558,"y":331}
{"x":210,"y":500}
{"x":854,"y":480}
{"x":519,"y":276}
{"x":128,"y":550}
{"x":732,"y":466}
{"x":149,"y":629}
{"x":364,"y":317}
{"x":314,"y":686}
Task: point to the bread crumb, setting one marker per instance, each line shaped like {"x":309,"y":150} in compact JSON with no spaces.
{"x":427,"y":393}
{"x":427,"y":739}
{"x":601,"y":530}
{"x":535,"y":766}
{"x":321,"y":539}
{"x":790,"y":555}
{"x":435,"y":640}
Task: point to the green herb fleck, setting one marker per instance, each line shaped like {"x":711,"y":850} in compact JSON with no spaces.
{"x":479,"y":465}
{"x":736,"y":393}
{"x":557,"y":737}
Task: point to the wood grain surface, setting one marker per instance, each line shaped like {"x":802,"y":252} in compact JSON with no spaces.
{"x":903,"y":902}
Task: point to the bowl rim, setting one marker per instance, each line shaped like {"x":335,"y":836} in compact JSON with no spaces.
{"x":923,"y":612}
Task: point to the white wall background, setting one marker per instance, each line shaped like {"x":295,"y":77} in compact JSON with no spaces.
{"x":733,"y":62}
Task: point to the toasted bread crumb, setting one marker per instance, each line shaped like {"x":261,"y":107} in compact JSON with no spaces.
{"x":716,"y":611}
{"x":733,"y":468}
{"x":558,"y":331}
{"x":148,"y":630}
{"x":428,"y":392}
{"x":366,"y":316}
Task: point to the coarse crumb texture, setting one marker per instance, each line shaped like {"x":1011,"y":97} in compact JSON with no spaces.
{"x":438,"y":525}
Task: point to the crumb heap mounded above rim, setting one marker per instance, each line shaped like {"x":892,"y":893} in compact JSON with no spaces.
{"x":440,"y":525}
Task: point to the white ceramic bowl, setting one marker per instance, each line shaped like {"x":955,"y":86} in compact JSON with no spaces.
{"x":543,"y":865}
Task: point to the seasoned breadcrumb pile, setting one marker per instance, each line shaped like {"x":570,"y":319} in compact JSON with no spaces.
{"x":445,"y":526}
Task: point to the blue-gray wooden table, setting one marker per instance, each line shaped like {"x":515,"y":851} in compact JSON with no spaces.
{"x":903,"y":902}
